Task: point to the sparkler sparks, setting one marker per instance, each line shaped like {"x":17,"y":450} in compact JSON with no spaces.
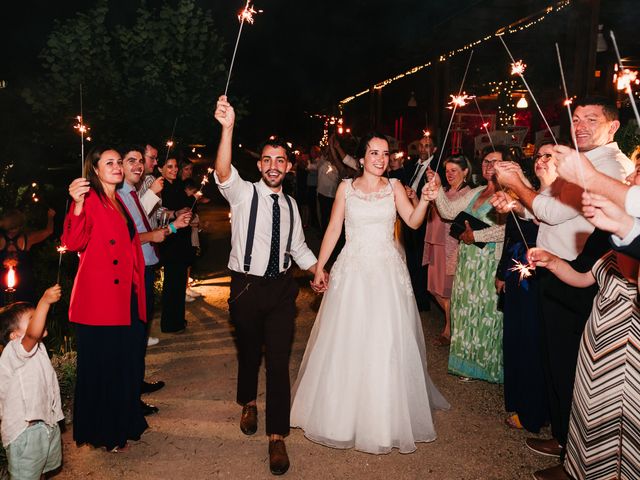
{"x":459,"y":101}
{"x":524,"y":270}
{"x":518,"y":68}
{"x":62,"y":249}
{"x":624,"y":79}
{"x":247,"y":14}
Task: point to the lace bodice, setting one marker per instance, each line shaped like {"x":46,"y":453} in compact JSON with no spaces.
{"x":369,"y":219}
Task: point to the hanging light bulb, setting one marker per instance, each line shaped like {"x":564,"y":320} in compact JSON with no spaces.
{"x":522,"y":103}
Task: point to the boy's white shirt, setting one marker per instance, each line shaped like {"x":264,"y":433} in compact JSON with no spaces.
{"x":29,"y":389}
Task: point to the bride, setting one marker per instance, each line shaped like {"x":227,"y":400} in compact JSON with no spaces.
{"x":363,"y":381}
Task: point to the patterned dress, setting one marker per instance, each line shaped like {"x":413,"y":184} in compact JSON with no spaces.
{"x":604,"y":430}
{"x":476,"y":323}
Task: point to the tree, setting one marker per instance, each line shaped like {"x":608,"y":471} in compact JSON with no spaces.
{"x":136,"y":77}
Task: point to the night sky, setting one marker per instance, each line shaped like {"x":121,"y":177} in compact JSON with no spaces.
{"x":299,"y":56}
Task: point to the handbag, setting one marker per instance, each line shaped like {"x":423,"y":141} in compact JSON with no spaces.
{"x":458,"y":226}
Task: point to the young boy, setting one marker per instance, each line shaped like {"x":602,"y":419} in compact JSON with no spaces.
{"x":30,"y":405}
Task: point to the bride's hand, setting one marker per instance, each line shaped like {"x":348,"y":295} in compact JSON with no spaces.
{"x":320,"y":281}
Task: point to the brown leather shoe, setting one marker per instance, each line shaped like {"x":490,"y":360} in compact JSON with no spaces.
{"x":249,"y":419}
{"x":549,"y":448}
{"x":552,"y":473}
{"x":278,"y":458}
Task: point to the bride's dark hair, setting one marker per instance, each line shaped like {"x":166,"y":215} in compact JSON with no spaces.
{"x":362,"y":147}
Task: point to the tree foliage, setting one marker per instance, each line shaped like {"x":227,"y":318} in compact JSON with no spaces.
{"x":136,"y":77}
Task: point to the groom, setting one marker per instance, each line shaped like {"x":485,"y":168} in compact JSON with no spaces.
{"x":266,"y":233}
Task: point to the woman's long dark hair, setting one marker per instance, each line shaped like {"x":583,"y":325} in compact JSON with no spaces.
{"x":90,"y":167}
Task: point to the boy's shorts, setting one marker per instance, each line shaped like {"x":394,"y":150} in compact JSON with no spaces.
{"x":35,"y":451}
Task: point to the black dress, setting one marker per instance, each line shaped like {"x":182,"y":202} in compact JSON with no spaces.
{"x":176,"y":254}
{"x":107,"y":410}
{"x":524,"y":382}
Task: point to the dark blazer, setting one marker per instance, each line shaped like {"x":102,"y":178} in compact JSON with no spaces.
{"x":111,"y":265}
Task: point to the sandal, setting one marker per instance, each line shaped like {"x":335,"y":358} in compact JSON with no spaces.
{"x":442,"y":341}
{"x":513,"y":421}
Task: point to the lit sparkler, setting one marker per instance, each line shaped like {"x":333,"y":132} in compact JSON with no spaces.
{"x":524,"y":270}
{"x":246,"y":15}
{"x":170,"y":141}
{"x":82,"y":129}
{"x":517,"y":68}
{"x":61,"y":251}
{"x":624,"y":80}
{"x":459,"y":101}
{"x":567,"y":103}
{"x":453,"y":113}
{"x":628,"y":88}
{"x":205,"y":180}
{"x":426,"y":133}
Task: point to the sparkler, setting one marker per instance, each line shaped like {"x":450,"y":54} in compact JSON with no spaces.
{"x":628,"y":87}
{"x":205,"y":180}
{"x":245,"y":16}
{"x":82,"y":129}
{"x":567,"y":103}
{"x":524,"y":270}
{"x":170,"y":141}
{"x":460,"y":100}
{"x":453,"y":113}
{"x":61,"y":251}
{"x":517,"y":68}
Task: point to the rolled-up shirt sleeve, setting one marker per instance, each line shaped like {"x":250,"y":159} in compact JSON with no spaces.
{"x":234,"y":189}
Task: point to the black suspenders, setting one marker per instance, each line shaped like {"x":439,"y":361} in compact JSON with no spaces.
{"x":251,"y":231}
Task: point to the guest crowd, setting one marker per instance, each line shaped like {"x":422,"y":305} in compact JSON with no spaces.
{"x":535,"y":270}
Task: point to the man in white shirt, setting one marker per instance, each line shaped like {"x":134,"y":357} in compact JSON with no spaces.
{"x":564,"y":232}
{"x":263,"y":291}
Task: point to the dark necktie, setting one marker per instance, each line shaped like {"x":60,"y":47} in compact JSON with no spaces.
{"x":145,"y":220}
{"x":273,"y":267}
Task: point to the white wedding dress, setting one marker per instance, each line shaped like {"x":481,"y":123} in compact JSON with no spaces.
{"x":363,"y":381}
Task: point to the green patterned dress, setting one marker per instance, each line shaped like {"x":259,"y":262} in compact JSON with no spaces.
{"x":476,"y":323}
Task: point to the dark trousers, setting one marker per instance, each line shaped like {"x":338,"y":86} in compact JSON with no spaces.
{"x":325,"y":204}
{"x":414,"y":249}
{"x":263,"y":313}
{"x":173,"y":293}
{"x":564,"y":311}
{"x":149,"y":279}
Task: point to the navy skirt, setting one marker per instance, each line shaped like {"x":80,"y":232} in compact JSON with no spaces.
{"x":107,"y":410}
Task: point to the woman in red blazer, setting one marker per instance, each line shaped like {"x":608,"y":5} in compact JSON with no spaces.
{"x":107,"y":307}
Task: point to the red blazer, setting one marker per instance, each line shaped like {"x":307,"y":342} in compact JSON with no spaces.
{"x":110,"y":264}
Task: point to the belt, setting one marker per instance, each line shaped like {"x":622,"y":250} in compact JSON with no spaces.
{"x":35,"y":422}
{"x":259,"y":277}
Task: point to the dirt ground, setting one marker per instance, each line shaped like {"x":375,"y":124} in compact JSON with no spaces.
{"x":196,"y":435}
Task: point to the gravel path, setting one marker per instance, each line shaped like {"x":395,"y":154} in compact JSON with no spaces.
{"x":196,"y":436}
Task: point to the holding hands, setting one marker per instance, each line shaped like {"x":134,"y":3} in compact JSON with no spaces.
{"x":510,"y":174}
{"x":183,"y":218}
{"x":538,"y":257}
{"x":502,"y":202}
{"x":320,"y":281}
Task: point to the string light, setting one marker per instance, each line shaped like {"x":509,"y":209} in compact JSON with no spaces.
{"x":519,"y":26}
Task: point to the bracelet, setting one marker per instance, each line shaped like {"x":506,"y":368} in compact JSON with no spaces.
{"x":172,"y":228}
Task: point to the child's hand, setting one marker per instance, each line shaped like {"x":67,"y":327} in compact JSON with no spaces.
{"x":52,"y":294}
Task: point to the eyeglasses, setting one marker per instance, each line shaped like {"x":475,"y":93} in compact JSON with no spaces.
{"x":488,"y":162}
{"x":542,"y":156}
